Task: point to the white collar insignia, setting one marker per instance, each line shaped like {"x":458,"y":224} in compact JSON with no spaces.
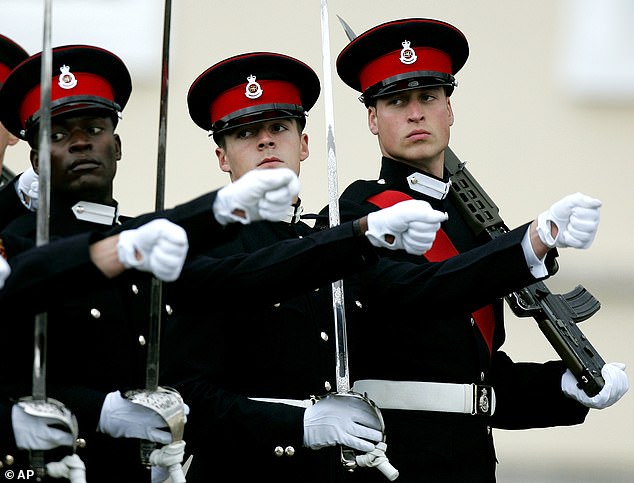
{"x":95,"y":213}
{"x":428,"y":186}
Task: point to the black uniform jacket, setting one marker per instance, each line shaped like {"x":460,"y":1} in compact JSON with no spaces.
{"x":272,"y":338}
{"x":424,"y":332}
{"x":10,"y":205}
{"x":97,"y":329}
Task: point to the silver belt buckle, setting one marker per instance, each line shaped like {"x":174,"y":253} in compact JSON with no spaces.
{"x":482,"y":403}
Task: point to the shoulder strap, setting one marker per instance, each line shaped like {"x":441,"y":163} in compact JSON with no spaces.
{"x":442,"y":249}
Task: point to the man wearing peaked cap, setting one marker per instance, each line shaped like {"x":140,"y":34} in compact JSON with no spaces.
{"x":249,"y":374}
{"x":90,"y":86}
{"x":86,"y":80}
{"x":441,"y":350}
{"x":11,"y":54}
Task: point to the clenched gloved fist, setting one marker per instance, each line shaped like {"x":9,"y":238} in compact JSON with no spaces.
{"x":409,"y":225}
{"x":5,"y":271}
{"x":260,"y":194}
{"x":348,"y":421}
{"x":159,"y":247}
{"x":577,"y":219}
{"x":616,"y":385}
{"x":121,"y":418}
{"x":38,"y":432}
{"x":28,"y":187}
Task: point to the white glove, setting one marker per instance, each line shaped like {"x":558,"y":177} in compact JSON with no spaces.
{"x":28,"y":187}
{"x":121,"y":418}
{"x":260,"y":194}
{"x":348,"y":421}
{"x":166,"y":463}
{"x":38,"y":433}
{"x":377,"y":459}
{"x":616,"y":385}
{"x":70,"y":467}
{"x":5,"y":271}
{"x":159,"y":247}
{"x":410,"y":225}
{"x":577,"y":219}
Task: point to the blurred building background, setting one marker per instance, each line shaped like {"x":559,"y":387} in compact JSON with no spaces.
{"x":544,"y":108}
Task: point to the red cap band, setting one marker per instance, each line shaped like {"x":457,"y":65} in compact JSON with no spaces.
{"x":87,"y":85}
{"x":273,"y":92}
{"x":390,"y":64}
{"x":4,"y":72}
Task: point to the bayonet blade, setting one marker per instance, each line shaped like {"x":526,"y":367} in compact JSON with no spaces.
{"x":349,"y":32}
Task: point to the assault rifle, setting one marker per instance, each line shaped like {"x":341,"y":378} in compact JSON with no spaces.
{"x":557,"y":315}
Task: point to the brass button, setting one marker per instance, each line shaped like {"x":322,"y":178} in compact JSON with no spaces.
{"x":290,"y":451}
{"x":358,"y":304}
{"x":324,"y":336}
{"x":279,"y":451}
{"x":168,"y":309}
{"x":141,"y":340}
{"x":135,"y":289}
{"x":95,"y":313}
{"x":327,"y":386}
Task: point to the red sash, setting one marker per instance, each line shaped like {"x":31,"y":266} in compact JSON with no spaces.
{"x":442,"y":249}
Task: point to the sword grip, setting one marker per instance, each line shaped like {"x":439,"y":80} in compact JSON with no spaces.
{"x":146,"y":448}
{"x":36,"y":459}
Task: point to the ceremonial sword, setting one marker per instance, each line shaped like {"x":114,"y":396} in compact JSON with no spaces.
{"x":348,"y":457}
{"x":167,"y":402}
{"x":38,"y":404}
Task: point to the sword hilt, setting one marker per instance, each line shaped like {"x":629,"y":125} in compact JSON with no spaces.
{"x":351,"y":459}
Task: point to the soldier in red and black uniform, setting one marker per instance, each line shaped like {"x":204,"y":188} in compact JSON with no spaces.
{"x":421,"y":356}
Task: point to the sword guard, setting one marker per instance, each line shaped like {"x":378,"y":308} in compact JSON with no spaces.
{"x":50,"y":408}
{"x":53,"y":409}
{"x":168,"y":404}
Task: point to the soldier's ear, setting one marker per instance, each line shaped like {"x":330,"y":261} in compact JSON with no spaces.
{"x":118,"y":153}
{"x":372,"y":124}
{"x":223,"y":163}
{"x":35,"y":161}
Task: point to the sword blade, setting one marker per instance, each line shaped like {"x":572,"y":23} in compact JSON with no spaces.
{"x":42,"y":230}
{"x":156,"y":289}
{"x":38,"y":391}
{"x":341,"y":339}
